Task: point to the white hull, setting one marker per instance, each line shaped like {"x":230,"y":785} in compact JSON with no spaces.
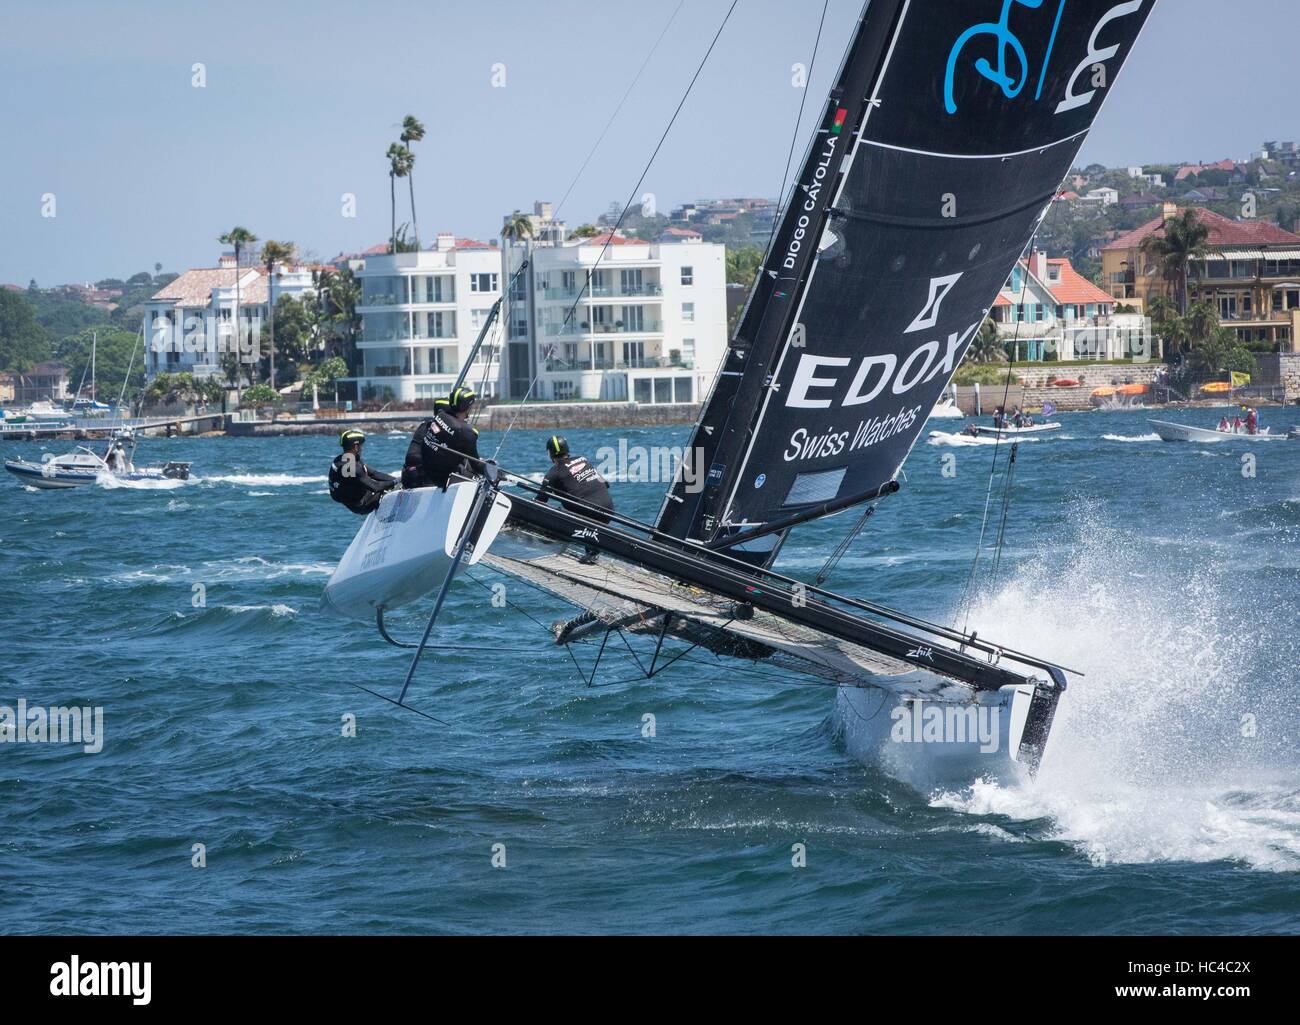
{"x":1015,"y":432}
{"x":1182,"y":432}
{"x":405,"y":549}
{"x":947,"y":410}
{"x":937,"y":742}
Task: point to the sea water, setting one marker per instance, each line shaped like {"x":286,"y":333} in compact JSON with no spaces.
{"x":245,"y":784}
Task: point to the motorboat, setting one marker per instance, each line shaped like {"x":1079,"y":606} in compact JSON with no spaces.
{"x":85,"y":466}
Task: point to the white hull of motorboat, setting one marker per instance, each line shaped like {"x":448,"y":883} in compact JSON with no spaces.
{"x":1182,"y":432}
{"x":1015,"y":432}
{"x":79,"y":469}
{"x":935,"y":742}
{"x":405,"y":549}
{"x":947,"y":410}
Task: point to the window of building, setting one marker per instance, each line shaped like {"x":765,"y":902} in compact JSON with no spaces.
{"x":641,"y":390}
{"x":483,"y":282}
{"x":663,"y":390}
{"x":562,"y":389}
{"x":688,"y":276}
{"x":683,"y":389}
{"x":688,"y":312}
{"x":688,"y":351}
{"x":440,"y":324}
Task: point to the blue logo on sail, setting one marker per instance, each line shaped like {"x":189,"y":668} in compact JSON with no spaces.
{"x":1011,"y":74}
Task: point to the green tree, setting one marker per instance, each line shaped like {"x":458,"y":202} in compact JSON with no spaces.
{"x":115,"y":350}
{"x":743,"y":264}
{"x":240,"y":238}
{"x":987,"y":346}
{"x":326,"y":374}
{"x":584,"y":231}
{"x":273,"y":254}
{"x":259,"y":395}
{"x":399,"y":166}
{"x":412,"y":131}
{"x":1182,"y":239}
{"x":23,"y":342}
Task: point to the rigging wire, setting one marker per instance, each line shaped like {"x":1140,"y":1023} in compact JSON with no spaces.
{"x":968,"y":595}
{"x":568,"y":319}
{"x":618,"y":110}
{"x":798,"y":121}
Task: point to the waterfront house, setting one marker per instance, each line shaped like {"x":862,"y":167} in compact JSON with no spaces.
{"x":1251,"y":275}
{"x":1049,"y":311}
{"x":188,"y":323}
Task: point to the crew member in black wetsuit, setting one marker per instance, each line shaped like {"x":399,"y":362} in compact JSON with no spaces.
{"x":352,"y":483}
{"x":574,"y":477}
{"x":439,"y":445}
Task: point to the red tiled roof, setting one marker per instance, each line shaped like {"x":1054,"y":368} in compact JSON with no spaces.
{"x":1223,"y":232}
{"x":682,"y":233}
{"x":194,"y":287}
{"x":1073,"y":289}
{"x":473,"y":243}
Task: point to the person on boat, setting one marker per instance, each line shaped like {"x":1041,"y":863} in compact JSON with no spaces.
{"x":440,"y":445}
{"x":1237,"y":423}
{"x":1252,"y":421}
{"x":117,"y":461}
{"x":573,"y":477}
{"x":999,"y":418}
{"x":353,"y":484}
{"x":973,"y":430}
{"x":1018,"y":418}
{"x":1224,"y":426}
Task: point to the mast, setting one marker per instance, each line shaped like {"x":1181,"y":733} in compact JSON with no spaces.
{"x":690,"y":508}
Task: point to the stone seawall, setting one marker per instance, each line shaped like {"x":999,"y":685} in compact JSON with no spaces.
{"x":1034,"y":390}
{"x":1281,"y":369}
{"x":559,"y":416}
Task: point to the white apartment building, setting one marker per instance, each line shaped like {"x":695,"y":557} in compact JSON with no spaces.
{"x":188,"y":324}
{"x":617,"y":319}
{"x":420,"y":314}
{"x":627,"y":321}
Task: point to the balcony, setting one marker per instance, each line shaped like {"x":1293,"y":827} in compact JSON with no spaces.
{"x":557,"y":366}
{"x":650,"y":290}
{"x":583,"y":330}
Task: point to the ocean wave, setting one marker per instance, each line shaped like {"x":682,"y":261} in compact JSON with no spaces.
{"x":1131,"y":439}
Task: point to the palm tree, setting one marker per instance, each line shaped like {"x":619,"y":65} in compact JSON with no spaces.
{"x":239,"y":238}
{"x":274,"y":253}
{"x":412,"y":131}
{"x":518,"y":226}
{"x":988,"y":346}
{"x":399,"y":166}
{"x":1182,"y":239}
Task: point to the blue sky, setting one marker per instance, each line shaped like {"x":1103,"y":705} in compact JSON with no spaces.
{"x":302,"y":99}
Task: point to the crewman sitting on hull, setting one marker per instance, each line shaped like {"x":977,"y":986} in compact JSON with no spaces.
{"x":573,"y":477}
{"x":440,"y":445}
{"x":352,"y":483}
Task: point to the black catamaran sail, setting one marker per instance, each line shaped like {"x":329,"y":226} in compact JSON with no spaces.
{"x":949,"y":128}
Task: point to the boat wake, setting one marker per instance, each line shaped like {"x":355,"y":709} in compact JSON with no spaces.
{"x":1131,"y":439}
{"x":1180,"y":743}
{"x":260,"y":480}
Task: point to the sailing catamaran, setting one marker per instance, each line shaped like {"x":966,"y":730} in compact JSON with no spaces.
{"x":943,"y":142}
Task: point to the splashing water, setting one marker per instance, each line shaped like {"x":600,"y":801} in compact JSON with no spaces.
{"x":1180,"y":743}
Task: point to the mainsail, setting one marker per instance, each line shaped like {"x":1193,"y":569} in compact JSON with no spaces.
{"x":946,"y":135}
